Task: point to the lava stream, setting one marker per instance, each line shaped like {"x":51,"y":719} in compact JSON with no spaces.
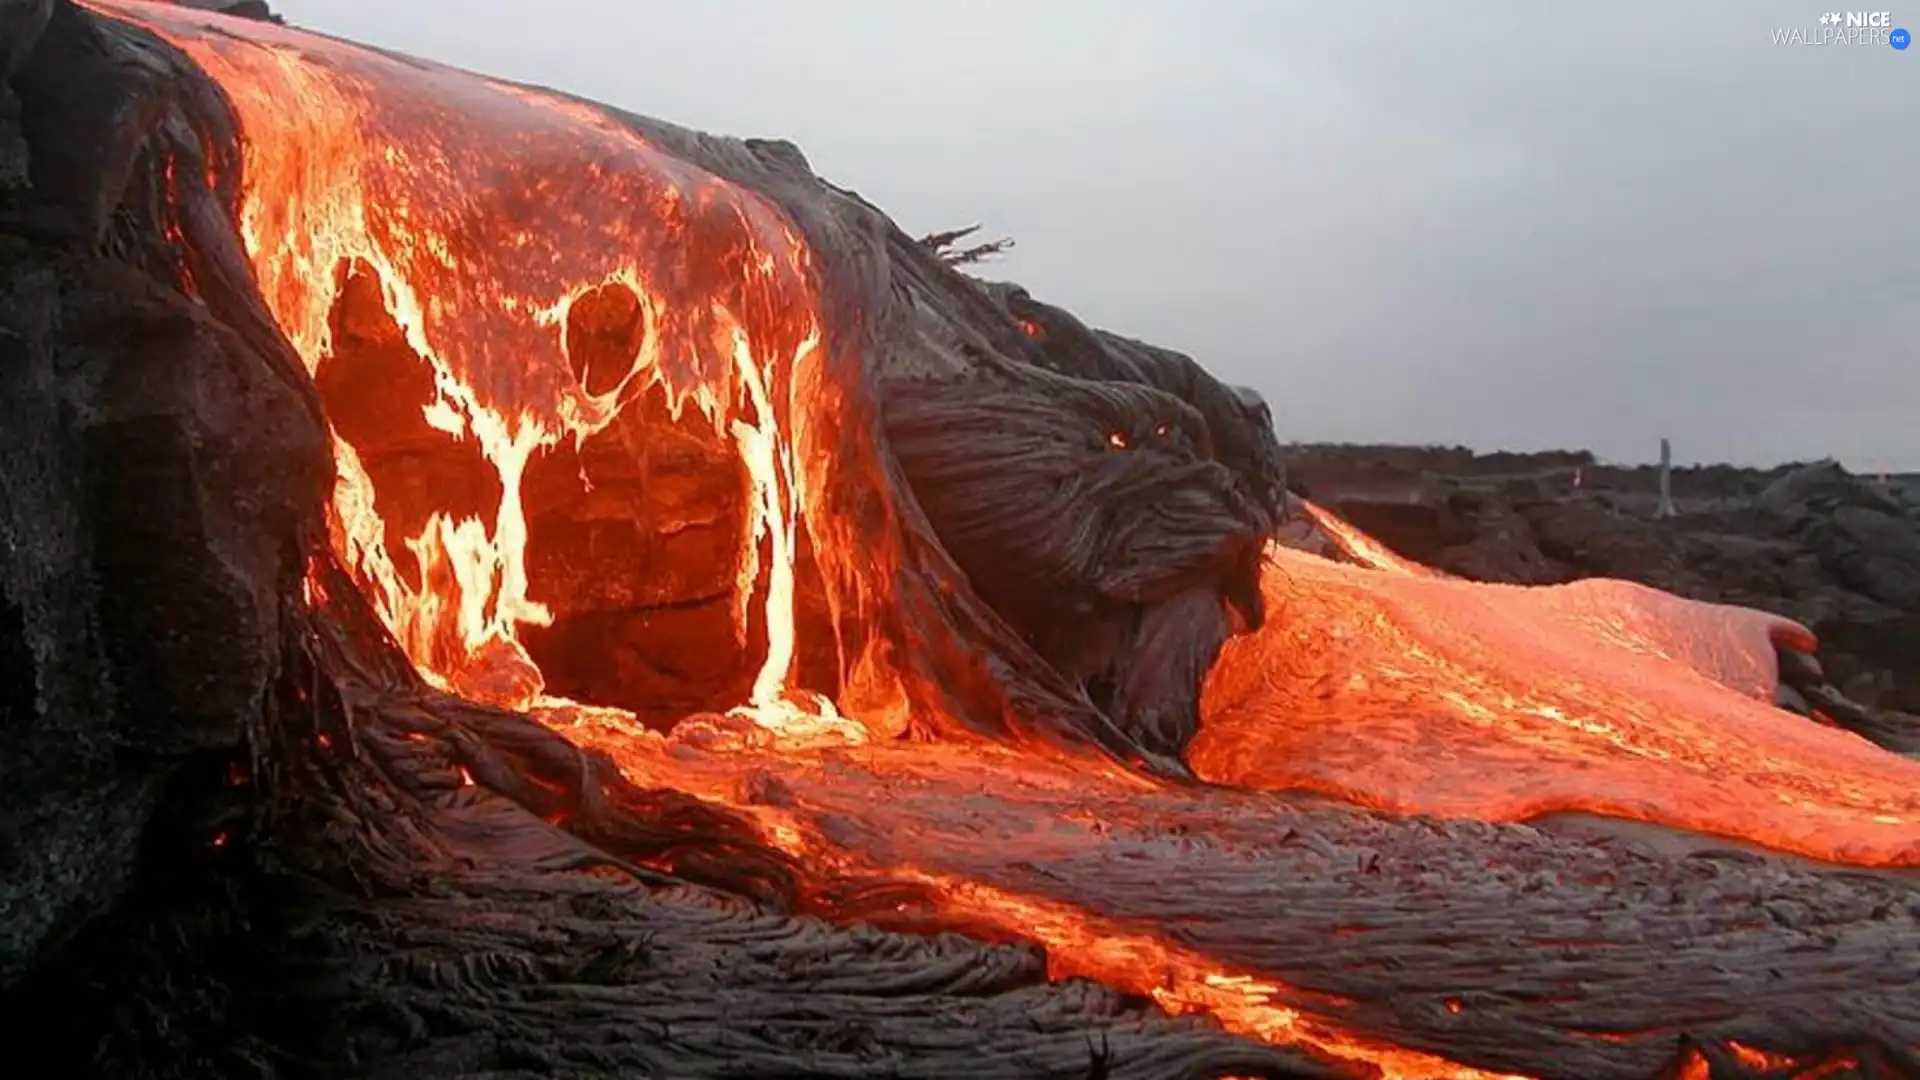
{"x":485,"y":213}
{"x":1425,"y":694}
{"x":928,"y":837}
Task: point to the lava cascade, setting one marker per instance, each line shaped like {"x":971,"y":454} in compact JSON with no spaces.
{"x":484,"y":212}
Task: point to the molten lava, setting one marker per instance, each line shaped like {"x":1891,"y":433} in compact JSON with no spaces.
{"x":501,"y":230}
{"x":1421,"y":694}
{"x":484,"y":213}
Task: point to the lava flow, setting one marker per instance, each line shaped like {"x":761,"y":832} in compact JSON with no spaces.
{"x":1418,"y":693}
{"x":498,"y":229}
{"x":553,"y":352}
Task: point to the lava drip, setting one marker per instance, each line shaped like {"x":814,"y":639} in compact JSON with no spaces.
{"x":488,"y":284}
{"x":520,"y":312}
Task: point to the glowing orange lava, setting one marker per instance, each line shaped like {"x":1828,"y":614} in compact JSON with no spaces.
{"x":1424,"y":694}
{"x":486,"y":211}
{"x":1039,"y":808}
{"x":1366,"y":549}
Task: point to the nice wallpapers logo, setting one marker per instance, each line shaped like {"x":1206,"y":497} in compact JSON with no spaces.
{"x":1847,"y":28}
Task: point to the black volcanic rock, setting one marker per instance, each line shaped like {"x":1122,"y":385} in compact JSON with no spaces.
{"x":142,"y":543}
{"x":157,"y":462}
{"x":21,"y":22}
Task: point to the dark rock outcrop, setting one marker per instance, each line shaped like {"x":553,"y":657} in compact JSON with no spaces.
{"x":157,"y":461}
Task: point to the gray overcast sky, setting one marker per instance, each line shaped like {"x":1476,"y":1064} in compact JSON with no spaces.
{"x":1515,"y":225}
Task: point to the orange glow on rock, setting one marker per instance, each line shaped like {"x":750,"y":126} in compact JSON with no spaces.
{"x":486,"y":212}
{"x":1760,"y":1060}
{"x":1424,"y":694}
{"x":1368,"y":551}
{"x":920,"y":840}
